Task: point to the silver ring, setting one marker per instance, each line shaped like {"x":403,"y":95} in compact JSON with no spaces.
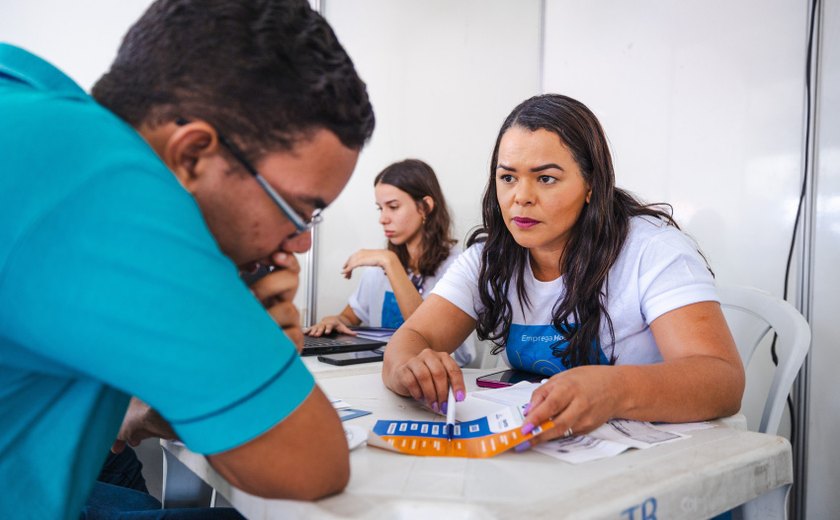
{"x":568,"y":433}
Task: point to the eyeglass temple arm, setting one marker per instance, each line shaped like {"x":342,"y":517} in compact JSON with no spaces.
{"x":290,"y":213}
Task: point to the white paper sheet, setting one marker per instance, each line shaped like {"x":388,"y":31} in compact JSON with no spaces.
{"x":609,"y":440}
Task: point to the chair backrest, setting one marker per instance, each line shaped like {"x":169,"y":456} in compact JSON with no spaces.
{"x":759,"y":313}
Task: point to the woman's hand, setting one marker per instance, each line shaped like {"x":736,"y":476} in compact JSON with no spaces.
{"x":417,"y":360}
{"x":428,"y":376}
{"x":577,"y":401}
{"x":327,"y":325}
{"x":383,"y":258}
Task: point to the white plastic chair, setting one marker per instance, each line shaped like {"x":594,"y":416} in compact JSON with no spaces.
{"x":752,"y":314}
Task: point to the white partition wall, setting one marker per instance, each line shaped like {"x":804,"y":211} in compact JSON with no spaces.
{"x":703,"y":109}
{"x":442,"y":76}
{"x":81,"y":38}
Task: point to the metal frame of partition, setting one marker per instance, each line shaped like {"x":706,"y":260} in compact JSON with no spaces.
{"x":805,"y":281}
{"x":311,"y":287}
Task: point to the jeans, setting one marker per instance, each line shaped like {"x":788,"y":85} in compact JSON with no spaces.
{"x":120,"y":494}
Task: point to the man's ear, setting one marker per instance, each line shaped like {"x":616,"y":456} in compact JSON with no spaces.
{"x":186,"y":147}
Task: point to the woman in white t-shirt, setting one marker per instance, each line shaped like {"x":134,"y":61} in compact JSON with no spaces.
{"x":573,"y":278}
{"x":416,"y":221}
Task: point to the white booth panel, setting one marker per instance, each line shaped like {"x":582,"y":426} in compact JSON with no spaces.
{"x":442,"y":76}
{"x":80,"y":38}
{"x":703,"y":109}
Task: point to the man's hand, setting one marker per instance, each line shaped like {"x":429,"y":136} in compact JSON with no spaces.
{"x":141,"y":422}
{"x":276,"y":291}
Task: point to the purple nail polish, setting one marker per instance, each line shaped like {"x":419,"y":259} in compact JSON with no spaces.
{"x":522,"y":447}
{"x":443,"y":407}
{"x":526,"y":408}
{"x":435,"y":407}
{"x":527,"y":428}
{"x":459,"y":395}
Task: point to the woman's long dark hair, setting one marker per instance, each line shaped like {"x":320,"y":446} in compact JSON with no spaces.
{"x":593,"y":247}
{"x":418,"y":179}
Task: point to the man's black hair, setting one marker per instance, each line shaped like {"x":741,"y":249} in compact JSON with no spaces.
{"x":265,"y":72}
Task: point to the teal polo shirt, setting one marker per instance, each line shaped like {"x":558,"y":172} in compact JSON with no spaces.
{"x":111,"y":285}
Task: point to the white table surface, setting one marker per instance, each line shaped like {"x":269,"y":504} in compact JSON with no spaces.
{"x":713,"y":471}
{"x":323,"y":370}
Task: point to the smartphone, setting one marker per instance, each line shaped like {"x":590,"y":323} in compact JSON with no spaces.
{"x":507,"y":378}
{"x":259,"y":272}
{"x":352,"y":358}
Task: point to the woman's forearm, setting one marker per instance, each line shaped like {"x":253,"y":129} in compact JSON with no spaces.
{"x":688,"y":389}
{"x":407,"y":296}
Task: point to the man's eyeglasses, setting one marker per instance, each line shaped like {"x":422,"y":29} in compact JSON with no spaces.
{"x":301,"y":224}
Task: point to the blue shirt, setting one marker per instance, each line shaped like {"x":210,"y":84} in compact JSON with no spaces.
{"x":111,"y":285}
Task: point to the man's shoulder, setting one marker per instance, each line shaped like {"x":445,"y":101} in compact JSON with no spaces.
{"x":64,"y":143}
{"x":73,"y":119}
{"x":63,"y":128}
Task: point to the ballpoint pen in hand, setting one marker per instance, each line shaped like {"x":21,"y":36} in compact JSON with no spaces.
{"x":450,"y":415}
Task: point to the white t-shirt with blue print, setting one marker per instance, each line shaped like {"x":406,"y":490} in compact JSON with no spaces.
{"x":658,"y":270}
{"x":374,"y":302}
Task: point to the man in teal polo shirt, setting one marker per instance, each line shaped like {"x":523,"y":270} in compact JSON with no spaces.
{"x":218,"y":135}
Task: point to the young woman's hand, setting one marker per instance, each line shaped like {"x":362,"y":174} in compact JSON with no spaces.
{"x":577,"y":401}
{"x":327,"y":325}
{"x":383,"y":258}
{"x":428,"y":376}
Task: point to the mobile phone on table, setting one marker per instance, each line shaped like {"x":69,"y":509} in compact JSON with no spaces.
{"x":507,"y":378}
{"x":353,"y":358}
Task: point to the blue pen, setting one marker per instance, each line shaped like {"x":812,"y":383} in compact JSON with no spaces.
{"x":450,"y":415}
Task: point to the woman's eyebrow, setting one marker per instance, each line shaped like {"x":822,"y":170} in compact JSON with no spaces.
{"x":548,"y":166}
{"x":535,"y":169}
